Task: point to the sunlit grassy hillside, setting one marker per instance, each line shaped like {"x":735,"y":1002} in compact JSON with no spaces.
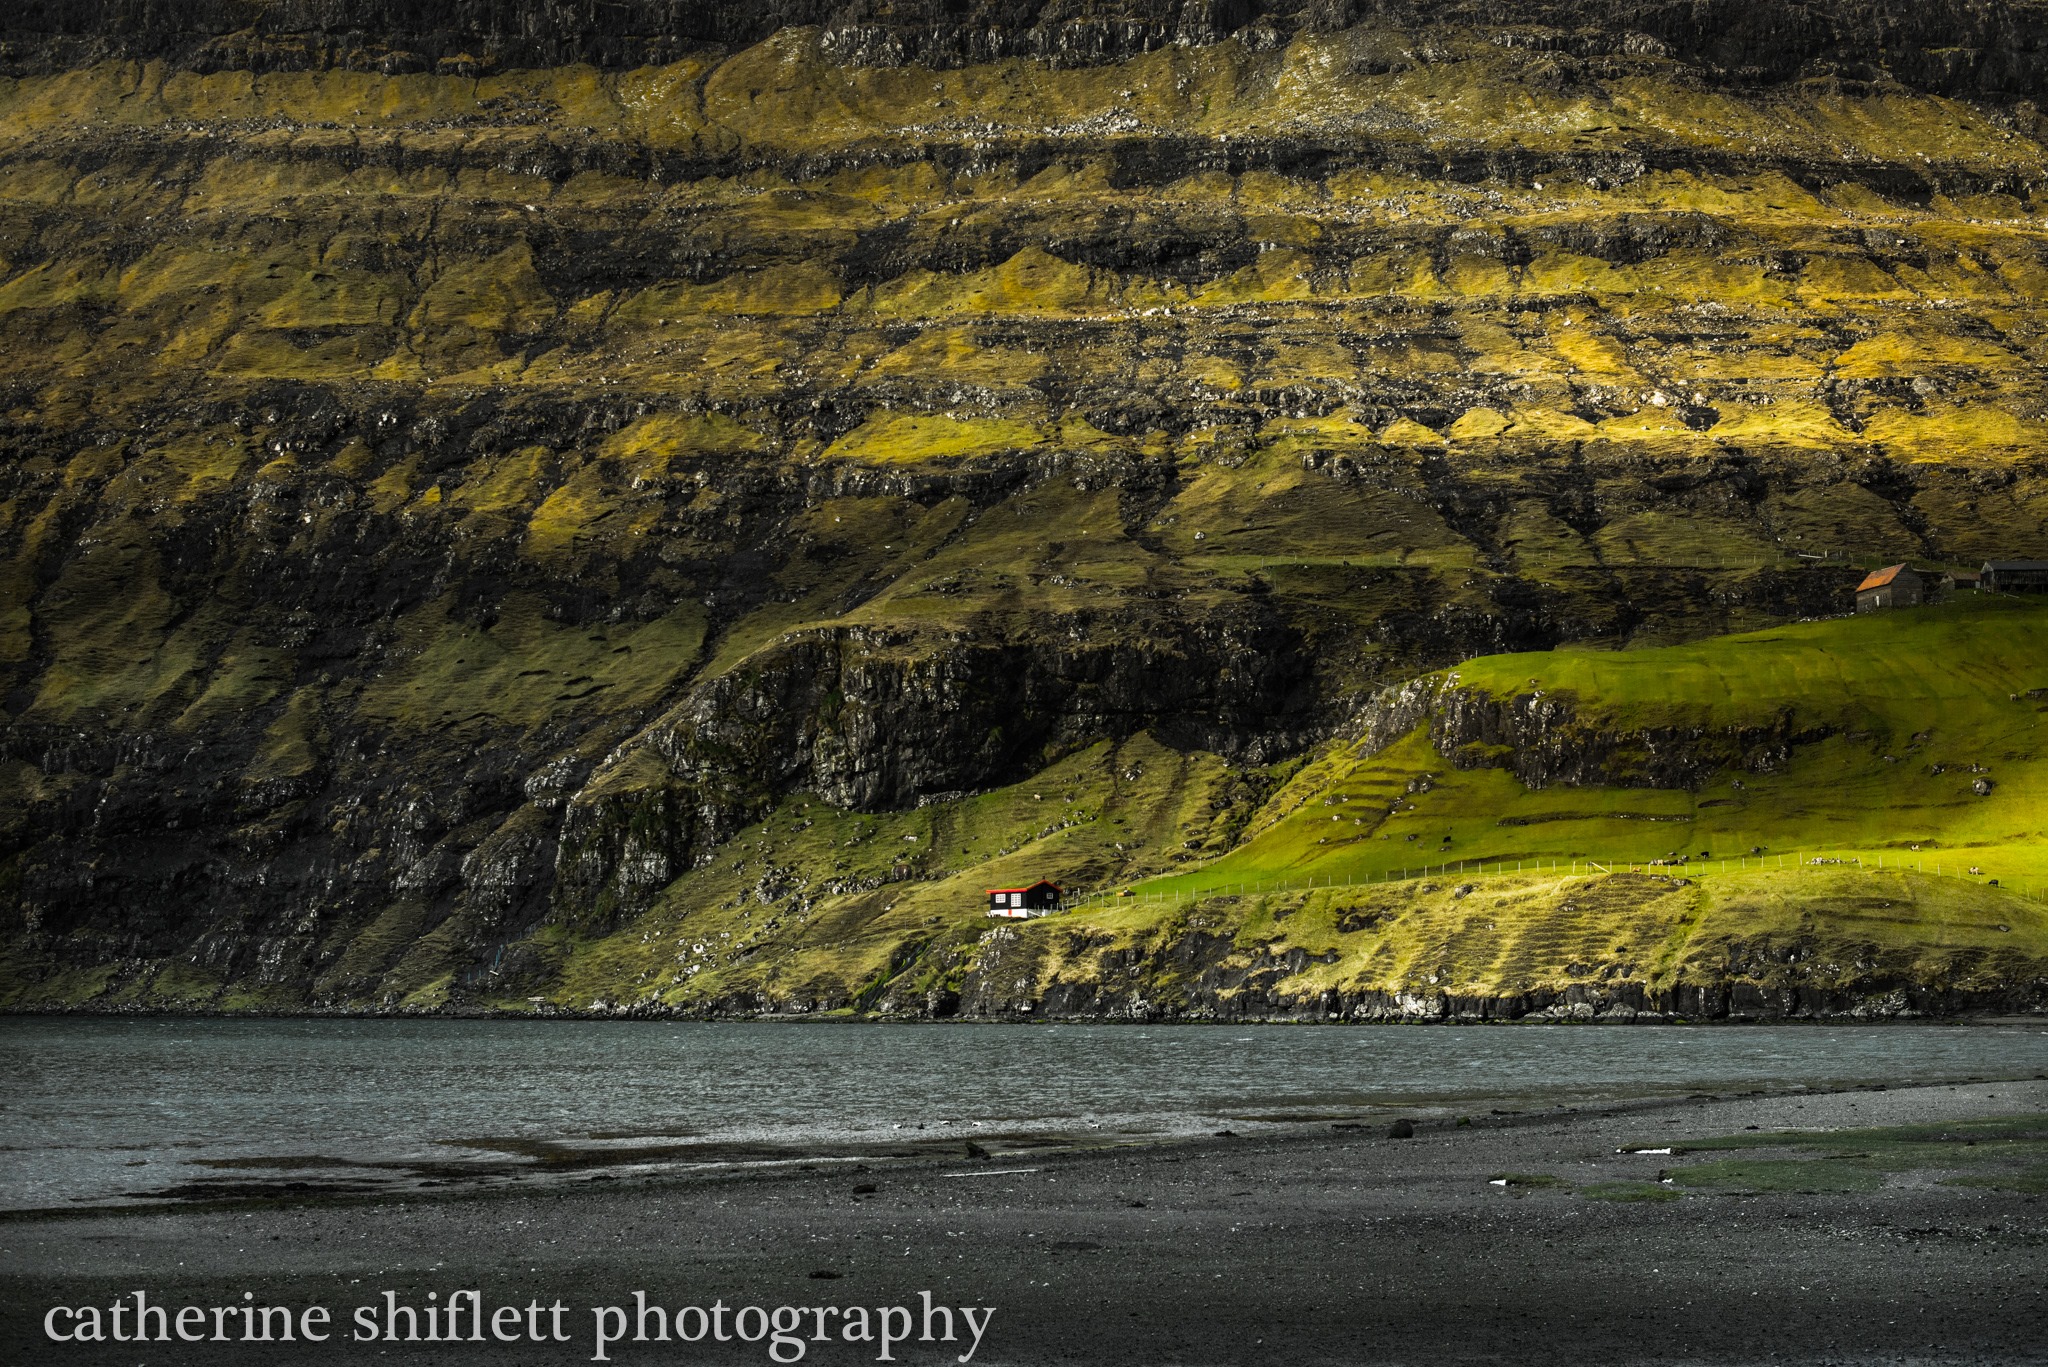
{"x":1378,"y":875}
{"x":1294,"y":890}
{"x":1864,"y":737}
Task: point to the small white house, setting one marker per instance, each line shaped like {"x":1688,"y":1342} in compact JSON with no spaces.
{"x":1040,"y":899}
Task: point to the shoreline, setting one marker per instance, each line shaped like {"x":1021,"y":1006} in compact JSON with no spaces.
{"x":571,"y":1168}
{"x":1985,"y":1016}
{"x":1530,"y":1238}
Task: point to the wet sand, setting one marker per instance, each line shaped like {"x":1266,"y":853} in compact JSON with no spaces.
{"x":1335,"y":1245}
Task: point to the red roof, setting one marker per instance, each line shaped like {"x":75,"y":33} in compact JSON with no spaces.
{"x":1877,"y":579}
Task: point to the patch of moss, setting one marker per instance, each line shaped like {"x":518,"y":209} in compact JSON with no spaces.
{"x":1628,"y":1192}
{"x":902,"y":440}
{"x":523,"y":667}
{"x":2032,"y":1182}
{"x":1803,"y":1175}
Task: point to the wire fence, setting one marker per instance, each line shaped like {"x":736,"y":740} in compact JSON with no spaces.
{"x":1810,"y":860}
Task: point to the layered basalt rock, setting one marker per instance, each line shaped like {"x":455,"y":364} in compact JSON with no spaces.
{"x":1204,"y":964}
{"x":458,"y":471}
{"x":1950,"y":46}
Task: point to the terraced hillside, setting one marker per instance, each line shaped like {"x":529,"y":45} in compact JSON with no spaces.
{"x":458,"y":485}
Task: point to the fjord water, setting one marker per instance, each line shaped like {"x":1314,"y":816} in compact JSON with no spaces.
{"x":101,"y":1109}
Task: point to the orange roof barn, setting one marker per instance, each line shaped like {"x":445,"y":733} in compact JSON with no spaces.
{"x":1877,"y":579}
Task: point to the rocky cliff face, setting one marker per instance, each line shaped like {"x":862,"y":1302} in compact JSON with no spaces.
{"x":460,"y":471}
{"x":1545,"y":740}
{"x":1948,"y":46}
{"x":1365,"y":955}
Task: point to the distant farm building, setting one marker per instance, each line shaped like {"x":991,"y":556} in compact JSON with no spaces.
{"x":1894,"y":586}
{"x":1040,"y":899}
{"x":1958,"y":580}
{"x":2015,"y":576}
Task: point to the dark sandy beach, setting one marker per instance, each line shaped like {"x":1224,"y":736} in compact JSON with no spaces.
{"x":1330,"y":1246}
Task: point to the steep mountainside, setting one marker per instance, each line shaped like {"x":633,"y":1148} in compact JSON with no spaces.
{"x":1839,"y":818}
{"x":457,"y":478}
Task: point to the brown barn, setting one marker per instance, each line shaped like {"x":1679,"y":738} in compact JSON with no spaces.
{"x":1894,"y":586}
{"x":2016,"y":576}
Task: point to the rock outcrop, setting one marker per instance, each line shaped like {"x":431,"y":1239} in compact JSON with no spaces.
{"x":1949,"y":46}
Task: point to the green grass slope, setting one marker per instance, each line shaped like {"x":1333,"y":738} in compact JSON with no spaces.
{"x":1843,"y":865}
{"x":1862,"y":738}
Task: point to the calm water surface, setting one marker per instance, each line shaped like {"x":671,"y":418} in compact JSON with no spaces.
{"x":99,"y":1110}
